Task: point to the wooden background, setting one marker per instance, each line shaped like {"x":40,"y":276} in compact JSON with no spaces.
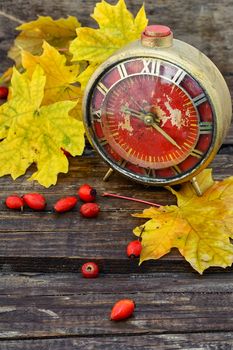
{"x":44,"y":302}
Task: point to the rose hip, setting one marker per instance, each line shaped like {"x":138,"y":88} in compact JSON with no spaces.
{"x":14,"y":202}
{"x":134,"y":249}
{"x":90,"y":270}
{"x":35,"y":201}
{"x":87,"y":193}
{"x":122,"y":309}
{"x":65,"y":204}
{"x":89,"y":210}
{"x":3,"y":92}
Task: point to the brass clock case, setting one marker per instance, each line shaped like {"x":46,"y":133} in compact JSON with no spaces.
{"x":195,"y":63}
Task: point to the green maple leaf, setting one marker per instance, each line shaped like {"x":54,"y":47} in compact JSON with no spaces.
{"x":32,"y":133}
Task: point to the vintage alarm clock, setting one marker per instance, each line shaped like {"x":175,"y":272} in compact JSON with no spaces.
{"x":158,"y":110}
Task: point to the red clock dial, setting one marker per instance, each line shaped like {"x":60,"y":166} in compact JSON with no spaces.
{"x":151,"y":118}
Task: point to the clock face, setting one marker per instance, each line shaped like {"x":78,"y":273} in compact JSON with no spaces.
{"x":151,"y":120}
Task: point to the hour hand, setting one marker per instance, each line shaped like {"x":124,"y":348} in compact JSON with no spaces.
{"x":133,"y":112}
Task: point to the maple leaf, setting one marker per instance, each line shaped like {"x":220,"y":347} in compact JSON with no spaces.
{"x":200,"y":227}
{"x":84,"y":77}
{"x":34,"y":133}
{"x":117,"y":27}
{"x":57,"y":33}
{"x":59,"y":77}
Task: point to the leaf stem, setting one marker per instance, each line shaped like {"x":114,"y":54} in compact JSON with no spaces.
{"x":105,"y":194}
{"x":62,"y":49}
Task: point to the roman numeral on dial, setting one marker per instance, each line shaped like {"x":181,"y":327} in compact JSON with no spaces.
{"x":178,"y":77}
{"x":123,"y":163}
{"x":196,"y":153}
{"x":97,"y":115}
{"x":206,"y":127}
{"x":176,"y":169}
{"x":150,"y":172}
{"x":122,"y":70}
{"x":102,"y":88}
{"x":198,"y":100}
{"x":151,"y":66}
{"x":103,"y":141}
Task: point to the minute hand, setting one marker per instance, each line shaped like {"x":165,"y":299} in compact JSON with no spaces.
{"x":165,"y":135}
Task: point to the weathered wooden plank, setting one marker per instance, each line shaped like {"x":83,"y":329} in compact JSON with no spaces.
{"x":52,"y":284}
{"x":82,"y":314}
{"x":66,"y":305}
{"x":172,"y":262}
{"x":199,"y":341}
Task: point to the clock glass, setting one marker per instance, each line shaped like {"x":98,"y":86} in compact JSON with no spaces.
{"x":150,"y":119}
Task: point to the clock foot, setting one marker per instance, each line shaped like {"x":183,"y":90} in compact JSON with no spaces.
{"x":196,"y":186}
{"x":108,"y":174}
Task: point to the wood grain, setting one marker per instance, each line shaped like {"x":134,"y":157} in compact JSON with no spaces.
{"x":68,"y":305}
{"x":220,"y":340}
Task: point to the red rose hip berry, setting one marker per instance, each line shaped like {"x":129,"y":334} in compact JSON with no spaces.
{"x":35,"y":201}
{"x":3,"y":92}
{"x":89,"y":210}
{"x":134,"y":249}
{"x":122,"y":309}
{"x":90,"y":270}
{"x":14,"y":202}
{"x":65,"y":204}
{"x":87,"y":193}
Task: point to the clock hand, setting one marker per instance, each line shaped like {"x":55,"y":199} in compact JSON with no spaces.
{"x":166,"y":136}
{"x":148,"y":121}
{"x":133,"y":112}
{"x":147,"y":118}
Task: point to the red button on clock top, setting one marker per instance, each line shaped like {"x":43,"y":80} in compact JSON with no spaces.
{"x":157,"y":31}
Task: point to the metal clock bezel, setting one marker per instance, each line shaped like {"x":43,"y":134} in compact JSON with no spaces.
{"x":136,"y":177}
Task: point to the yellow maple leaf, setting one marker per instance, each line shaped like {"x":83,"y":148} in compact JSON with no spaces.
{"x":57,"y":33}
{"x":33,"y":133}
{"x":200,"y":227}
{"x":117,"y":20}
{"x":117,"y":27}
{"x":59,"y":77}
{"x":84,"y":77}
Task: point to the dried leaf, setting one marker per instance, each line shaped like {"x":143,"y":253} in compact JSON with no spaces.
{"x":35,"y":133}
{"x":59,"y":77}
{"x":199,"y":227}
{"x":57,"y":33}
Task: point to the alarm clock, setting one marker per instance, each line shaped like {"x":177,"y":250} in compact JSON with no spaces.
{"x":157,"y":111}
